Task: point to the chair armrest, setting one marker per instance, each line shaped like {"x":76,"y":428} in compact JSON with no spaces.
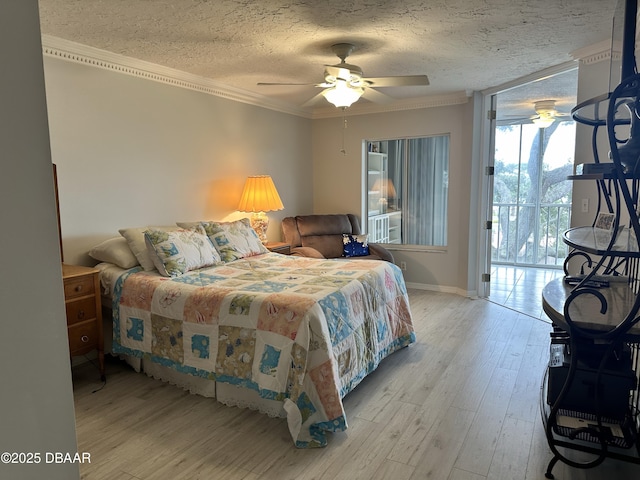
{"x":306,"y":252}
{"x":381,"y":252}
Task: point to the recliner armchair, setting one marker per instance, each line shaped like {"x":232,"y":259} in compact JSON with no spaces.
{"x":321,"y":236}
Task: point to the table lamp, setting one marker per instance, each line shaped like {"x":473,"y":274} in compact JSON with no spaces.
{"x":387,"y":192}
{"x":260,"y":196}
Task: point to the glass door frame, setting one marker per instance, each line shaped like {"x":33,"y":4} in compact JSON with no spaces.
{"x":487,"y":125}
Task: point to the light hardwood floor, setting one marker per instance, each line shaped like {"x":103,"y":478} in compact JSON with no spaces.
{"x":460,"y":404}
{"x":514,"y":287}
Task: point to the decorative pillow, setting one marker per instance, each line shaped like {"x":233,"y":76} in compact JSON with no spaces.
{"x":114,"y":250}
{"x":355,"y":245}
{"x":136,"y":242}
{"x":189,"y":225}
{"x":180,"y":251}
{"x":234,"y":240}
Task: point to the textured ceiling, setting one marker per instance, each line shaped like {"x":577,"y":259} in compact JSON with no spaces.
{"x":461,"y":45}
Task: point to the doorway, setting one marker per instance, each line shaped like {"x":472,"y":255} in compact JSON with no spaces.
{"x":531,"y":155}
{"x":531,"y":193}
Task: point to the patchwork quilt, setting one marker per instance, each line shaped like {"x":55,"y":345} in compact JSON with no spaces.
{"x":299,"y":330}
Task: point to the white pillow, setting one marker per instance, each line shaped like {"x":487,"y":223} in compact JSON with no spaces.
{"x":135,"y":240}
{"x":180,"y":251}
{"x":234,"y":240}
{"x":189,"y":225}
{"x":114,"y":250}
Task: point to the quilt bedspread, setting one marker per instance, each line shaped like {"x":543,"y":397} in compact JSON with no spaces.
{"x":299,"y":330}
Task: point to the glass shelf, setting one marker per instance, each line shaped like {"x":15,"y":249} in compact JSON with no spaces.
{"x":596,"y":241}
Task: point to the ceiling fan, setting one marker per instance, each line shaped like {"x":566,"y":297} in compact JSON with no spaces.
{"x":344,"y":83}
{"x":546,"y":114}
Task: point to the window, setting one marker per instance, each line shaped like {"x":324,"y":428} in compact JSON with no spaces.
{"x":407,"y":190}
{"x":531,"y":193}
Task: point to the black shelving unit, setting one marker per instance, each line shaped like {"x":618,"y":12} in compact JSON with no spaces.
{"x":590,"y":394}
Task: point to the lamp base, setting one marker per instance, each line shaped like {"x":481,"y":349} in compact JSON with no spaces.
{"x":260,"y":223}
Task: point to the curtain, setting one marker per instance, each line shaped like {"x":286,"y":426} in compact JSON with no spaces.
{"x":427,"y":182}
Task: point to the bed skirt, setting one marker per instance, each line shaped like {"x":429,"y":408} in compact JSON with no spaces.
{"x":227,"y":394}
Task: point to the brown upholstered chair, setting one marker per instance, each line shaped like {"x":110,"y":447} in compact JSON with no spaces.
{"x":320,"y":236}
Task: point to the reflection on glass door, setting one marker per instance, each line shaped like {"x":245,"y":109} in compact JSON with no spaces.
{"x":531,"y":193}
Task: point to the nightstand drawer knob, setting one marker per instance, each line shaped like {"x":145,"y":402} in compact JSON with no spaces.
{"x":81,"y":315}
{"x":84,"y":338}
{"x":78,"y":288}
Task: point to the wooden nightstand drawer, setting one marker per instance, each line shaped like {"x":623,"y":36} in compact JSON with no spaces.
{"x":78,"y":286}
{"x":81,"y":310}
{"x":84,"y":312}
{"x":83,"y":337}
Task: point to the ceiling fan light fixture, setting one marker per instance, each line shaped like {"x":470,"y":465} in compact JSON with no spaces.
{"x":543,"y":121}
{"x":342,"y":95}
{"x":546,"y":111}
{"x":345,"y":83}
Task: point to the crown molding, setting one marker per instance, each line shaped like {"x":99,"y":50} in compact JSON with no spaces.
{"x":598,"y":52}
{"x":83,"y":54}
{"x":95,"y":57}
{"x":533,"y":77}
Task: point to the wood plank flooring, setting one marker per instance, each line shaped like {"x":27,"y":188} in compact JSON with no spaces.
{"x":460,"y":404}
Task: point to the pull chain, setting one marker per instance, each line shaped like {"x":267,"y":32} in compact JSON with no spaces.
{"x":344,"y":129}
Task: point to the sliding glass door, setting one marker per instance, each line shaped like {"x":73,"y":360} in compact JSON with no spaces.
{"x":531,"y":193}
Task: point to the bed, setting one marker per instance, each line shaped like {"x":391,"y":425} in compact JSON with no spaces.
{"x":290,"y":336}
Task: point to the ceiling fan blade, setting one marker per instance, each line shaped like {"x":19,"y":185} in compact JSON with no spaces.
{"x":313,"y":100}
{"x":399,"y":81}
{"x":276,"y":83}
{"x":376,"y":96}
{"x":513,"y":121}
{"x":337,"y":72}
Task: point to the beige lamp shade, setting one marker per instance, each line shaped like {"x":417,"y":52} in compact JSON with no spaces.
{"x":385,"y":187}
{"x":259,"y":196}
{"x":387,"y":194}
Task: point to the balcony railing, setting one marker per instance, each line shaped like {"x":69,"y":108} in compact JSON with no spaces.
{"x":545,"y":224}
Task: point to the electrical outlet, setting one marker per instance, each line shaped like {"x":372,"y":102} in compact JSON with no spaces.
{"x":403,"y":265}
{"x":585,"y":205}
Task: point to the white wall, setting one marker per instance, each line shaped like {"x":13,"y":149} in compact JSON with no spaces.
{"x":593,"y":81}
{"x":135,"y":152}
{"x":36,"y":403}
{"x":338,"y":181}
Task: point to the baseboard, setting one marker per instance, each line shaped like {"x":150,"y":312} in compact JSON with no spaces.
{"x":443,"y":289}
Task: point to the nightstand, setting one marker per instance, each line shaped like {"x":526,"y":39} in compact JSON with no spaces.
{"x":84,"y":311}
{"x":279,"y":247}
